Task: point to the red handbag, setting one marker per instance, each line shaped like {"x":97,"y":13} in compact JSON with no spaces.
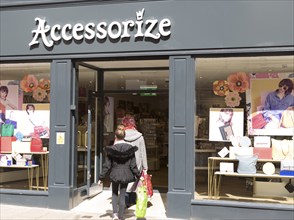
{"x":36,"y":145}
{"x":147,"y":182}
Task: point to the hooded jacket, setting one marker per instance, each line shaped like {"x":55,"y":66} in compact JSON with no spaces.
{"x":136,"y":138}
{"x":121,"y":163}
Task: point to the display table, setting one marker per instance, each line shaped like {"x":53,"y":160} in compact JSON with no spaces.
{"x":218,"y":175}
{"x":44,"y":166}
{"x":30,"y":169}
{"x":213,"y":163}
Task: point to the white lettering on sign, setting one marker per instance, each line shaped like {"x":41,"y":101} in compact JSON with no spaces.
{"x":151,"y":28}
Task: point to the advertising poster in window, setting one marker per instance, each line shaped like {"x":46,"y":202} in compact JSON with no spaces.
{"x":30,"y":122}
{"x":108,"y":114}
{"x":225,"y":122}
{"x":271,"y":104}
{"x":10,"y":98}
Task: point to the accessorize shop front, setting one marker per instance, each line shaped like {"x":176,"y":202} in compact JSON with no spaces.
{"x":217,"y":60}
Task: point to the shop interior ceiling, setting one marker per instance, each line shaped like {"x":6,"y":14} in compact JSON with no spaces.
{"x":208,"y":69}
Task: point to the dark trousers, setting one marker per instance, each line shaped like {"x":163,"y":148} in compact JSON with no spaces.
{"x":118,"y":202}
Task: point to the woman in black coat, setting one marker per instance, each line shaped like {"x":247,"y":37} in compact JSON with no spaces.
{"x":120,"y":163}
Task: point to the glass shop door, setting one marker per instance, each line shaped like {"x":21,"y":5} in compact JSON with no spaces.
{"x":88,"y":131}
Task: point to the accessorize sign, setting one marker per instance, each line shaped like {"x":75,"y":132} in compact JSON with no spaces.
{"x":150,"y":28}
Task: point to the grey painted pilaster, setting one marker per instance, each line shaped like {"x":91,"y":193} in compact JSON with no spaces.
{"x":60,"y":159}
{"x":181,"y":136}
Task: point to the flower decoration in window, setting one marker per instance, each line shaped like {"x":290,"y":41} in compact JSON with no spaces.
{"x":39,"y":94}
{"x":29,"y":83}
{"x":220,"y":87}
{"x":38,"y":89}
{"x":238,"y":82}
{"x":44,"y":84}
{"x":233,"y":99}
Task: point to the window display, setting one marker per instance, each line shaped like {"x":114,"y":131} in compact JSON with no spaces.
{"x":24,"y":125}
{"x":250,"y":110}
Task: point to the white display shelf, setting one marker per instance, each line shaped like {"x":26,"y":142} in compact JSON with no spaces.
{"x":205,"y":150}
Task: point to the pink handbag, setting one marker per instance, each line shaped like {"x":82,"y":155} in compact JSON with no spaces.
{"x":258,"y":121}
{"x":39,"y":131}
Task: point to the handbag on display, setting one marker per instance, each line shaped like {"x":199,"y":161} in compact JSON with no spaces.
{"x":12,"y":122}
{"x":287,"y":120}
{"x":258,"y":121}
{"x":6,"y":143}
{"x":7,"y":130}
{"x":36,"y":145}
{"x":282,"y":149}
{"x":39,"y":131}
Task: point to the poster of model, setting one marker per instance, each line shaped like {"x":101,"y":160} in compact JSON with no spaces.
{"x":30,"y":122}
{"x":108,"y":114}
{"x":271,"y":104}
{"x":10,"y":97}
{"x":225,"y":122}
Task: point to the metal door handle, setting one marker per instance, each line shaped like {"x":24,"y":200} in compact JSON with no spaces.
{"x":79,"y":138}
{"x":86,"y":138}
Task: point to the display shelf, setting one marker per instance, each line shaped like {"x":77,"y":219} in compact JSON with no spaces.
{"x":205,"y":150}
{"x":148,"y":128}
{"x":201,"y":139}
{"x":200,"y":168}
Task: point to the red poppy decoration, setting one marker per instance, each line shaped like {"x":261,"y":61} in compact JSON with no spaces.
{"x":238,"y":82}
{"x":29,"y":83}
{"x":44,"y":84}
{"x":220,"y":87}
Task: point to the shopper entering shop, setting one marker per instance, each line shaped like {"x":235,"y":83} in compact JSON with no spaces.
{"x":120,"y":163}
{"x":134,"y":137}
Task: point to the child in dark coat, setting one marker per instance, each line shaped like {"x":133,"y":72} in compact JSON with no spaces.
{"x":120,"y":163}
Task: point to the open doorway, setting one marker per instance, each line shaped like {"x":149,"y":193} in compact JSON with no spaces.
{"x":139,"y":88}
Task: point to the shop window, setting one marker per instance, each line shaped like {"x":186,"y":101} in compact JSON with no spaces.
{"x":24,"y":125}
{"x":243,"y":120}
